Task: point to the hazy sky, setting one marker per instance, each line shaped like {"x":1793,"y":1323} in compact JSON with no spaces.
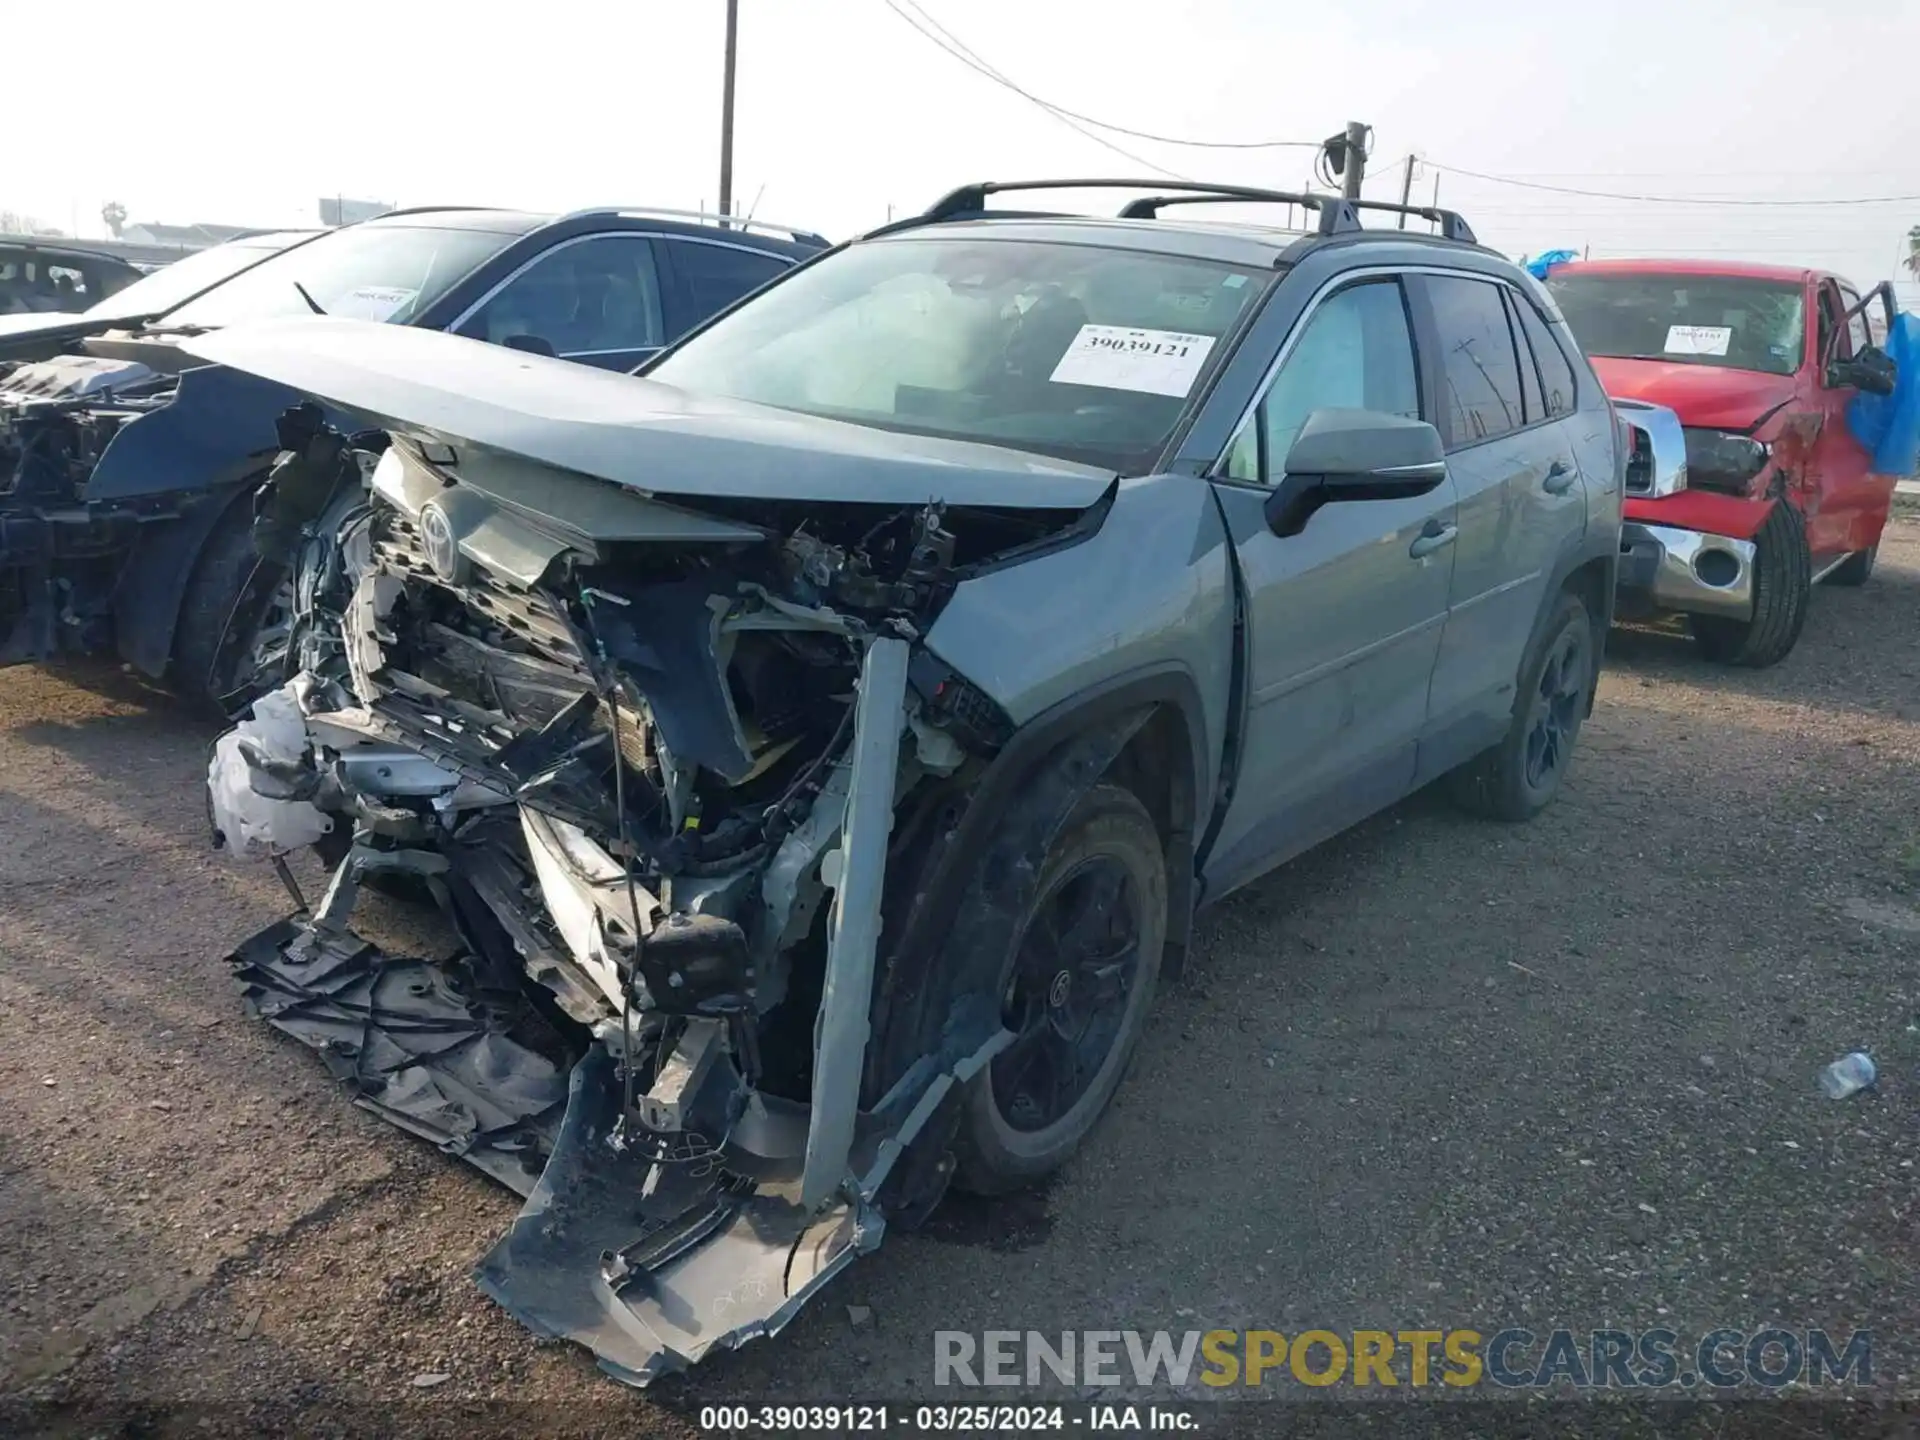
{"x":245,"y":112}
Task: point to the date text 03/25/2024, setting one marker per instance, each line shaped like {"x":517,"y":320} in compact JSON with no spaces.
{"x":941,"y":1419}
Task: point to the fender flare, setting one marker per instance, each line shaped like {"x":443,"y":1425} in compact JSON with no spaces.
{"x":1603,"y":548}
{"x":1037,"y":778}
{"x":153,"y":583}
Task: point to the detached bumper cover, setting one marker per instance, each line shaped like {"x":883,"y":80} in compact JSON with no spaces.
{"x":1663,"y":567}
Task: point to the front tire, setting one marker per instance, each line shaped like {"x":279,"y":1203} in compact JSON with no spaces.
{"x":1075,"y":990}
{"x":1782,"y":591}
{"x":1518,"y":778}
{"x":229,"y":588}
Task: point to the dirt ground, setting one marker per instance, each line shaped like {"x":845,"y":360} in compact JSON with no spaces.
{"x":1438,"y":1072}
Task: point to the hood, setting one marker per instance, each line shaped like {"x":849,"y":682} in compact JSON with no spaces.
{"x":35,"y":337}
{"x":639,"y":433}
{"x":1703,"y":395}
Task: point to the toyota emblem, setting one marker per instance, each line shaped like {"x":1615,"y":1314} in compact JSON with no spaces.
{"x":443,"y":551}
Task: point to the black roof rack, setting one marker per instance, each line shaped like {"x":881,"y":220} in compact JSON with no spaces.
{"x":1337,"y":215}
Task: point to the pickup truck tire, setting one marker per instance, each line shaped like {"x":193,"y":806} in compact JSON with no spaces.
{"x":1782,"y":591}
{"x":1075,"y":990}
{"x":1855,"y":569}
{"x":1518,"y":778}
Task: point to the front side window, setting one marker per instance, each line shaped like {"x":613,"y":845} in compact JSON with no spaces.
{"x":1480,"y":393}
{"x":1072,"y":350}
{"x":1356,"y":353}
{"x":582,"y":297}
{"x":1857,"y":332}
{"x":365,"y":272}
{"x":1727,"y":321}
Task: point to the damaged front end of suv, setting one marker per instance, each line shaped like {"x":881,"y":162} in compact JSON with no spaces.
{"x":706,"y":813}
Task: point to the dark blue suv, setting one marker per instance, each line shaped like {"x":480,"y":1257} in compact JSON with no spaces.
{"x":130,"y":473}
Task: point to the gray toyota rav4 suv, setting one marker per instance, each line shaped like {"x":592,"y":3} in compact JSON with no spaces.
{"x":821,"y":741}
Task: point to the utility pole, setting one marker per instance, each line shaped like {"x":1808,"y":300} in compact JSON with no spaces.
{"x":1356,"y":167}
{"x":1406,"y":191}
{"x":726,"y":112}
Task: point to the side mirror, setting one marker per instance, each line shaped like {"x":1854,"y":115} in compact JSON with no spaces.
{"x":532,"y":344}
{"x":1872,"y":372}
{"x":1342,"y":455}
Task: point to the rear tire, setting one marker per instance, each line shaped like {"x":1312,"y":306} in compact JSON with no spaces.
{"x":1855,"y":569}
{"x":1782,"y":591}
{"x":1076,"y":989}
{"x":1518,"y":778}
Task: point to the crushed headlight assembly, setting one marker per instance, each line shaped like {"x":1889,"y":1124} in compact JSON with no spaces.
{"x":1718,"y":460}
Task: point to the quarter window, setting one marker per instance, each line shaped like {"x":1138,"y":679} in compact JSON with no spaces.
{"x":588,"y":296}
{"x":1356,"y":353}
{"x":1479,"y":369}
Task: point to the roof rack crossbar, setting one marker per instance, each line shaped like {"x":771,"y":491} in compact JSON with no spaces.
{"x":1338,"y":215}
{"x":738,"y":222}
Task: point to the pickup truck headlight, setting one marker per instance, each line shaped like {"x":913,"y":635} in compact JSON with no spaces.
{"x":1717,"y":460}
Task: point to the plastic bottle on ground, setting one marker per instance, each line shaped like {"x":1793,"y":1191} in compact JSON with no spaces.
{"x":1848,"y":1075}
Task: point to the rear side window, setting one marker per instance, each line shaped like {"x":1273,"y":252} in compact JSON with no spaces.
{"x":714,"y":276}
{"x":1479,"y":369}
{"x":1529,"y":375}
{"x":1557,"y":383}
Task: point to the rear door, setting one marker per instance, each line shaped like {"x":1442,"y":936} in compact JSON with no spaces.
{"x":1520,"y":502}
{"x":704,"y":277}
{"x":1344,"y":619}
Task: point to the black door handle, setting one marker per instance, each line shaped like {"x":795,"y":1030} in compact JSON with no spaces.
{"x":1559,"y":478}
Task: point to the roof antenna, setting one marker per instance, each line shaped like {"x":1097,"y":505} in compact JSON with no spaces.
{"x":755,"y":205}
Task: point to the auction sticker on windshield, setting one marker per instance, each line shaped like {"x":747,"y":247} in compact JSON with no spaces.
{"x":373,"y":302}
{"x":1698,"y":339}
{"x":1113,"y":357}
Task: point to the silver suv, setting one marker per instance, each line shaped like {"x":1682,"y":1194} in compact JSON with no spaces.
{"x":823,"y":741}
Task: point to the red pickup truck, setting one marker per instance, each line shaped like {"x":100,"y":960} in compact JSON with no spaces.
{"x":1759,"y":362}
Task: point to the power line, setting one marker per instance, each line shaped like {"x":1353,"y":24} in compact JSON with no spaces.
{"x":1671,"y":199}
{"x":974,"y":62}
{"x":961,"y":52}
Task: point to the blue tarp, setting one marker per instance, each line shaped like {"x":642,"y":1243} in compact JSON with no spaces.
{"x":1889,"y":425}
{"x":1539,"y":267}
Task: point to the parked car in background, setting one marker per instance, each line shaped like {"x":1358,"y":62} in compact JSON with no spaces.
{"x":42,"y":274}
{"x":831,"y":731}
{"x":1760,"y":363}
{"x":128,"y":471}
{"x":35,"y":336}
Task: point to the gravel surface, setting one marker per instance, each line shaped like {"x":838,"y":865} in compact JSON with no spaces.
{"x":1437,"y":1072}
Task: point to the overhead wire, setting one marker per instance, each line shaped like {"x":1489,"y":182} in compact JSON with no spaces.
{"x":1671,"y":199}
{"x":974,"y":63}
{"x":959,"y":49}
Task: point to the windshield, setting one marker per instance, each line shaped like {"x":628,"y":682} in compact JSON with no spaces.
{"x":1718,"y":320}
{"x":365,"y":272}
{"x":1069,"y":350}
{"x":185,"y":278}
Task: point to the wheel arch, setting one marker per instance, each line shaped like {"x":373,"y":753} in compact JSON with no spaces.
{"x":1141,"y":729}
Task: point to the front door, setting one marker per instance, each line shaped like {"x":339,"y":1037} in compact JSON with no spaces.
{"x":1846,"y":502}
{"x":1342,"y":620}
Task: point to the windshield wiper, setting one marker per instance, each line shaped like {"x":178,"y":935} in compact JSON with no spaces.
{"x":312,"y":304}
